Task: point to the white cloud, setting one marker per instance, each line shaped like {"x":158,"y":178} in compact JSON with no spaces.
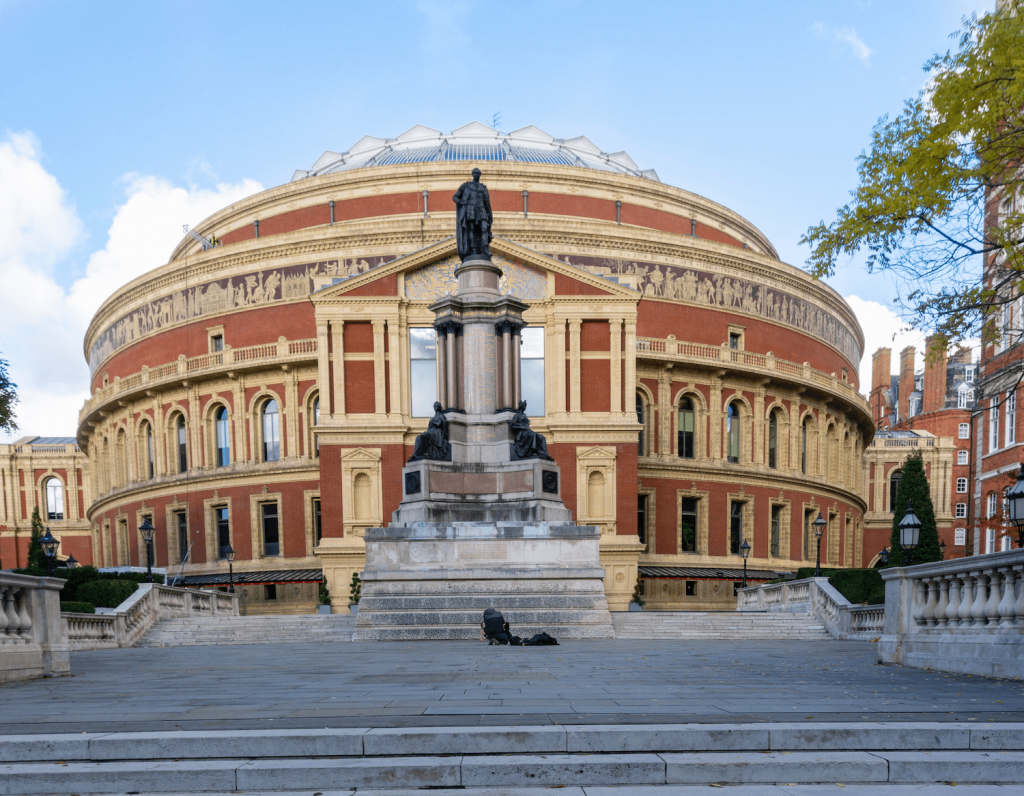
{"x":883,"y":328}
{"x":42,"y":324}
{"x":845,"y":35}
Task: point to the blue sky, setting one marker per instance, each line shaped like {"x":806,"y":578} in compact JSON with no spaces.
{"x":121,"y":121}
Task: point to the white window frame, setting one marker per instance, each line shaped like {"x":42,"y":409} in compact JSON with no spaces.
{"x":993,"y":425}
{"x":964,"y":431}
{"x":991,"y":505}
{"x":961,"y":398}
{"x":961,"y":486}
{"x":961,"y":511}
{"x":960,"y":537}
{"x":962,"y":457}
{"x":1011,"y":418}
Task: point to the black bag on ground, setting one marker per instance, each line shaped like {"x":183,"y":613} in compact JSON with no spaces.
{"x":495,"y":627}
{"x":541,"y":640}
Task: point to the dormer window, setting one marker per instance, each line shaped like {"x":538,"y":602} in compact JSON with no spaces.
{"x":969,"y":375}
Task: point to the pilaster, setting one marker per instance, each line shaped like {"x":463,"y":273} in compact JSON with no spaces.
{"x":665,"y":412}
{"x":615,"y":364}
{"x":394,"y":369}
{"x":380,"y":402}
{"x":323,"y":361}
{"x":715,"y":430}
{"x":338,"y":388}
{"x":558,"y":359}
{"x":574,"y":365}
{"x":758,"y":426}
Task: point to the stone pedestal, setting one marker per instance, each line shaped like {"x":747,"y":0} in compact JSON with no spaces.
{"x":340,"y":558}
{"x":434,"y":580}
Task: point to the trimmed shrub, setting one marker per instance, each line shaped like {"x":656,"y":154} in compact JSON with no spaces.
{"x":856,"y":585}
{"x":74,"y":607}
{"x":106,"y":593}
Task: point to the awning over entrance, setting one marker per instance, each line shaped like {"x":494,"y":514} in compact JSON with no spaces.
{"x":707,"y":573}
{"x":269,"y":576}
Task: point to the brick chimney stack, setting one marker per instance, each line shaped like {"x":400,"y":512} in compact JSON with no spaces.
{"x":934,"y":397}
{"x":881,"y":374}
{"x":906,"y":380}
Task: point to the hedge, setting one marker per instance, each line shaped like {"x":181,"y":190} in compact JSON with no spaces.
{"x":73,"y":607}
{"x":79,"y":576}
{"x":106,"y":593}
{"x":856,"y":585}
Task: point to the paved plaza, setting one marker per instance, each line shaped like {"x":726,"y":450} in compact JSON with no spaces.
{"x":397,"y":684}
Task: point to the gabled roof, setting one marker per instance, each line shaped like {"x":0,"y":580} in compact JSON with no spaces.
{"x":499,"y":246}
{"x":474,"y":141}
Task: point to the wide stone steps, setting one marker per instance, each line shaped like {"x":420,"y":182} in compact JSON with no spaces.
{"x":249,"y":630}
{"x":462,"y":759}
{"x":717,"y":625}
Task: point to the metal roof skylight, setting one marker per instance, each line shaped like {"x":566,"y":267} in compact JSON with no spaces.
{"x":474,"y":141}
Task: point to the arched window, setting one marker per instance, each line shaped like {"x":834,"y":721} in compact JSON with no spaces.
{"x":271,"y":432}
{"x":223,"y":436}
{"x":894,"y":485}
{"x":732,"y":434}
{"x":804,"y":441}
{"x":54,"y":499}
{"x":773,"y":440}
{"x":361,"y":487}
{"x":316,"y":422}
{"x":686,"y":428}
{"x":147,"y":454}
{"x":182,"y":442}
{"x":642,"y":420}
{"x":595,"y":494}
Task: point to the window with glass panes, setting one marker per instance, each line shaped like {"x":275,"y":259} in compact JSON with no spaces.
{"x":961,"y":485}
{"x":686,"y":428}
{"x":776,"y":530}
{"x":422,"y":370}
{"x":688,"y":525}
{"x":54,"y":499}
{"x":149,"y":451}
{"x":773,"y":441}
{"x":732,"y":433}
{"x":316,"y":422}
{"x":318,"y":531}
{"x":220,"y":515}
{"x":1011,"y":418}
{"x":993,"y":425}
{"x":182,"y":443}
{"x":964,"y":431}
{"x":640,"y":420}
{"x":223,"y":437}
{"x":735,"y":527}
{"x":271,"y":432}
{"x":271,"y":529}
{"x":531,"y":369}
{"x":181,"y":528}
{"x":961,"y":457}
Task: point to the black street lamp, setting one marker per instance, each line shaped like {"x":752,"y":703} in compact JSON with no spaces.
{"x":229,"y":553}
{"x":50,"y":546}
{"x":146,"y":529}
{"x":819,"y":528}
{"x":71,"y":563}
{"x":883,"y":556}
{"x":1015,"y":500}
{"x":942,"y":551}
{"x":910,"y":531}
{"x":745,"y":551}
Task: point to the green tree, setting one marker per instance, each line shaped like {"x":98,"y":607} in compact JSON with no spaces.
{"x":36,"y":556}
{"x":949,"y":162}
{"x":8,"y":399}
{"x":914,"y":487}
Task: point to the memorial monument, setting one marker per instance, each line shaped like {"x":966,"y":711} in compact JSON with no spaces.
{"x":481,"y":523}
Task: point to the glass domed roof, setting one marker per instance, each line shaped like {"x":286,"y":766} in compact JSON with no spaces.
{"x":474,"y":141}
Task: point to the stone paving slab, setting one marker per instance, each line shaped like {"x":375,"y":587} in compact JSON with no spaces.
{"x":426,"y":684}
{"x":772,"y":767}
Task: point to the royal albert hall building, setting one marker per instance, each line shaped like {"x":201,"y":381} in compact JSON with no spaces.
{"x":696,"y":392}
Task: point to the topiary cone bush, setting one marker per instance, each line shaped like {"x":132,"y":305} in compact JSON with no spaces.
{"x":914,"y":487}
{"x":355,"y":589}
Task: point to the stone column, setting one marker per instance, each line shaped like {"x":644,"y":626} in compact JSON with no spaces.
{"x":665,"y":412}
{"x":574,"y":365}
{"x":715,"y":430}
{"x":442,"y":368}
{"x":379,"y":397}
{"x":757,"y":455}
{"x":451,"y":331}
{"x":394,"y":369}
{"x":338,"y":327}
{"x":629,"y":389}
{"x":558,"y":363}
{"x":615,"y":363}
{"x":517,"y":366}
{"x":507,"y":365}
{"x":323,"y":361}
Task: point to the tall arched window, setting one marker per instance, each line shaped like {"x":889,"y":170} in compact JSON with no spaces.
{"x":316,"y":422}
{"x":271,"y":432}
{"x":894,"y":485}
{"x":732,"y":433}
{"x":642,"y":420}
{"x":54,"y":499}
{"x":182,"y":442}
{"x":773,"y":440}
{"x":804,"y":442}
{"x":147,"y":442}
{"x":223,"y":437}
{"x":687,"y":426}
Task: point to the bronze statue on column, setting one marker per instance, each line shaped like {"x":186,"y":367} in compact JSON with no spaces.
{"x":473,"y":219}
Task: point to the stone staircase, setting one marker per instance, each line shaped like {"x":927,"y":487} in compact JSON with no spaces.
{"x":718,"y":625}
{"x":215,"y":630}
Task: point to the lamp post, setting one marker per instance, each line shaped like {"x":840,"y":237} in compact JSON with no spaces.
{"x":819,"y":528}
{"x":745,"y":551}
{"x":942,"y":551}
{"x":910,"y":531}
{"x":883,"y":556}
{"x":1015,"y":499}
{"x":71,"y":563}
{"x":49,"y":545}
{"x":146,"y":529}
{"x":229,"y":553}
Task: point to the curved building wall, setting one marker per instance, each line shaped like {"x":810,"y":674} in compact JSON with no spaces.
{"x":635,"y":307}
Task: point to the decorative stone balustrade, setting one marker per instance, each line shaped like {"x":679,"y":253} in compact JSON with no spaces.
{"x":683,"y":351}
{"x":33,"y":640}
{"x":965,"y":615}
{"x":816,"y":595}
{"x":149,"y":603}
{"x":201,"y":365}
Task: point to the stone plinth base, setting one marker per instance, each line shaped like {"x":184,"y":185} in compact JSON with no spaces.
{"x":433,"y":581}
